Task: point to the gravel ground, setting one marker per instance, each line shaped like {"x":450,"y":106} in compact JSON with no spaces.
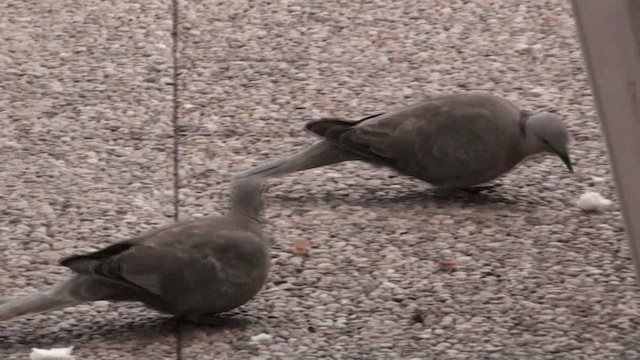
{"x":394,"y":269}
{"x":85,"y":159}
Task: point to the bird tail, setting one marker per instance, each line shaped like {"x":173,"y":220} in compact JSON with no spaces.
{"x":320,"y":154}
{"x":77,"y":290}
{"x":31,"y":304}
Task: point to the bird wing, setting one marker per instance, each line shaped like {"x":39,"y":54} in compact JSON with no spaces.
{"x":342,"y":133}
{"x":460,"y":133}
{"x":453,"y":147}
{"x":136,"y":265}
{"x":380,"y":138}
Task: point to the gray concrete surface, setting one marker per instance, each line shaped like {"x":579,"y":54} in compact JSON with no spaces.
{"x":87,"y":158}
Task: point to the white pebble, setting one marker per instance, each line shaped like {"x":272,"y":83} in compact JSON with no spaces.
{"x":52,"y":354}
{"x":592,"y":201}
{"x":261,"y":338}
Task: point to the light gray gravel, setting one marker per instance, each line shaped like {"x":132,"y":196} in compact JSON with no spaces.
{"x":85,"y":159}
{"x":394,"y":270}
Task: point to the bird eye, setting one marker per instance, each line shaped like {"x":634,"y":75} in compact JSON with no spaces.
{"x":545,"y":141}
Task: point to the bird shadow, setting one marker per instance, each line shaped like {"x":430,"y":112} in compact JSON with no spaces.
{"x":31,"y":332}
{"x":371,"y":196}
{"x":23,"y":334}
{"x":225,"y":321}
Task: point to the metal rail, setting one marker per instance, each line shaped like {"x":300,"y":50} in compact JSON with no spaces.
{"x":610,"y":36}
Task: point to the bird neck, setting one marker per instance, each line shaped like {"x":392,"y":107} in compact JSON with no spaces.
{"x":246,"y":199}
{"x":531,"y":144}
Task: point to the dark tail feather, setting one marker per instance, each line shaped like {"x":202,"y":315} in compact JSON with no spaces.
{"x":320,"y":154}
{"x":328,"y":128}
{"x":332,"y":128}
{"x":77,"y":290}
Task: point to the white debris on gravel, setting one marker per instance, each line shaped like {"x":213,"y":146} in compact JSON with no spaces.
{"x":52,"y":354}
{"x":261,"y":338}
{"x":593,"y":201}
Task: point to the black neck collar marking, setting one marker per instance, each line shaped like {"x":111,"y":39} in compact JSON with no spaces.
{"x":524,"y":116}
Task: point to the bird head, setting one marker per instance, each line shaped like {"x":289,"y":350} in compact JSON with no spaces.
{"x":550,"y":135}
{"x":247,"y":198}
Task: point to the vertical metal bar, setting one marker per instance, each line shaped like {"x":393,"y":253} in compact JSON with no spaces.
{"x":609,"y":32}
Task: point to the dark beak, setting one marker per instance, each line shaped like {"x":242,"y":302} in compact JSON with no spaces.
{"x":565,"y":159}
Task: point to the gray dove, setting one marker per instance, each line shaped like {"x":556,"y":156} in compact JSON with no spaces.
{"x":450,"y":141}
{"x":191,"y":269}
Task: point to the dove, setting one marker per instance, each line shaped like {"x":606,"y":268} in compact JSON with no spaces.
{"x":449,"y":141}
{"x":191,"y":269}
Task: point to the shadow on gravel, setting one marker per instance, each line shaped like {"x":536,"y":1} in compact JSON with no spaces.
{"x":78,"y":330}
{"x":31,"y":332}
{"x":422,"y":198}
{"x":222,"y":322}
